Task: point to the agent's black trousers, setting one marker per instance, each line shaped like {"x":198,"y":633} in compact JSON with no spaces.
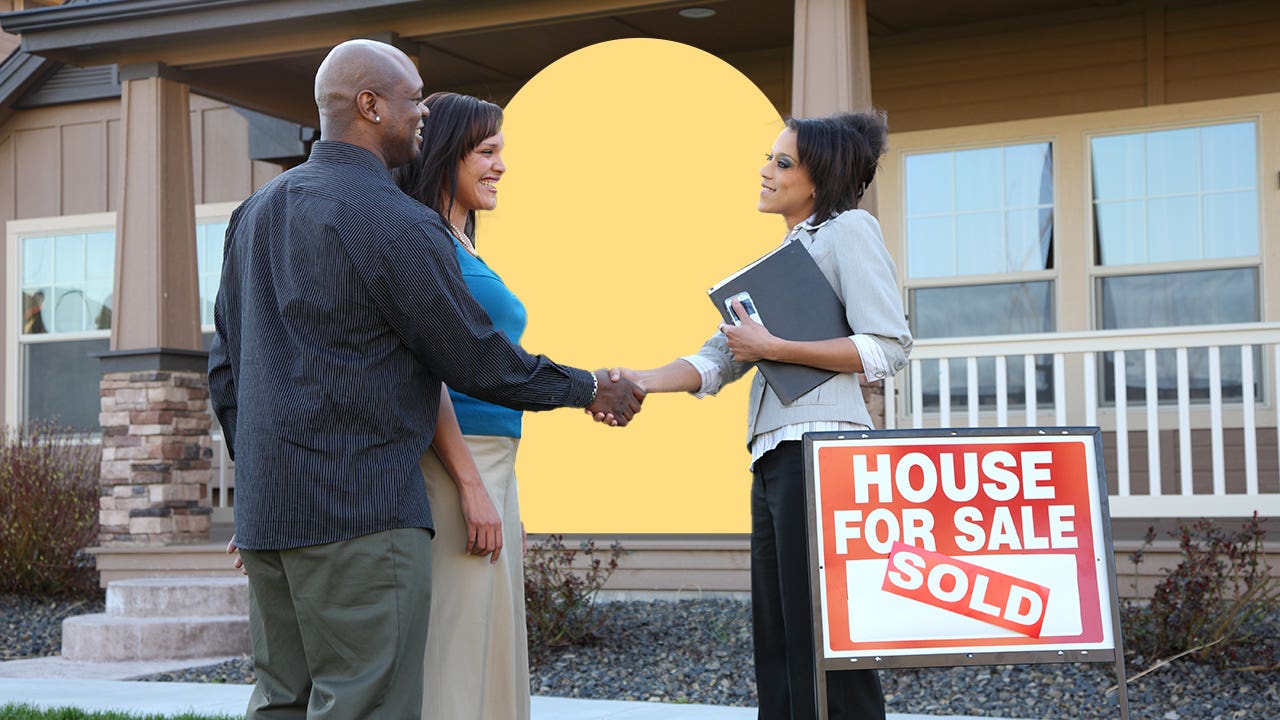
{"x":781,"y":609}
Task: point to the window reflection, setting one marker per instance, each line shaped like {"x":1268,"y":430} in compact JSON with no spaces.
{"x":1205,"y":297}
{"x":976,"y":310}
{"x":33,"y":312}
{"x":977,"y":180}
{"x":67,"y":282}
{"x":982,"y":211}
{"x":1175,"y":195}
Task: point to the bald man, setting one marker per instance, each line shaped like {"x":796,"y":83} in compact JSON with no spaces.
{"x":341,"y":310}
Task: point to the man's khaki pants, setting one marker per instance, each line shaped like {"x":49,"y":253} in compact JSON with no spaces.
{"x":339,"y":629}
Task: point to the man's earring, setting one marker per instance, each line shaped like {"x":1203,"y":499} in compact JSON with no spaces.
{"x":377,"y":118}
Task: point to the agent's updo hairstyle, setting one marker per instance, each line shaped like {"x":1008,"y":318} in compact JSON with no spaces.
{"x":840,"y":152}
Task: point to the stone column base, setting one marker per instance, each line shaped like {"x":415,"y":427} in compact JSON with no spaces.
{"x":156,"y":458}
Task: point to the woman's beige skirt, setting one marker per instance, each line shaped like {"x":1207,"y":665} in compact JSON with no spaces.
{"x":477,"y":664}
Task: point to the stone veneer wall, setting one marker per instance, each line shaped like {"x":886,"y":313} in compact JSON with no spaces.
{"x":156,"y":458}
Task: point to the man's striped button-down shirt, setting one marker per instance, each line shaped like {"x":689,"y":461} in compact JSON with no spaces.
{"x":340,"y":312}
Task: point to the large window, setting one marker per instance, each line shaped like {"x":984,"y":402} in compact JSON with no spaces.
{"x":979,"y":231}
{"x":62,"y":283}
{"x":1176,"y":237}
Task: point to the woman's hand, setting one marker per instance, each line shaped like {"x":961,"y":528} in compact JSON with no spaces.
{"x":484,"y":525}
{"x":749,"y":341}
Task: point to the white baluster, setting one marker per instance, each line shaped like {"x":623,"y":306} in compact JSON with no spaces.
{"x":1059,"y":390}
{"x":1122,"y":423}
{"x":1215,"y":412}
{"x":944,"y":393}
{"x":1184,"y":423}
{"x":1250,"y":428}
{"x":917,"y":395}
{"x":1153,"y":422}
{"x":971,"y":377}
{"x":1029,"y":379}
{"x":1090,"y":388}
{"x":1002,"y":391}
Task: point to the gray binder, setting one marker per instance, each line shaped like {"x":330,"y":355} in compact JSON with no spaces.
{"x":795,"y":302}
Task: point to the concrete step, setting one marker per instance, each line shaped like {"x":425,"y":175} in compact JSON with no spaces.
{"x":178,"y":597}
{"x":163,"y":619}
{"x":107,"y":638}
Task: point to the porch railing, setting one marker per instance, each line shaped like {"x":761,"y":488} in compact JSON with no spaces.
{"x":1066,"y":366}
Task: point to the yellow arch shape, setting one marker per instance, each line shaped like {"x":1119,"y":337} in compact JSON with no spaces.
{"x":633,"y":174}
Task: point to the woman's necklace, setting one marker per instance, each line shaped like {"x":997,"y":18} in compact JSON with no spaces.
{"x":462,"y":238}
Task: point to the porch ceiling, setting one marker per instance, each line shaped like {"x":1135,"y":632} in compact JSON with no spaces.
{"x":262,"y":54}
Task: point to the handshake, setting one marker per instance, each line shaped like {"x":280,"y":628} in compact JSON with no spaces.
{"x":619,"y":396}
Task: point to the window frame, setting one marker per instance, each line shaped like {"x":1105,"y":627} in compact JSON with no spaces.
{"x":900,"y":221}
{"x":1075,"y":270}
{"x":1097,"y":272}
{"x":1075,"y":265}
{"x":15,"y":231}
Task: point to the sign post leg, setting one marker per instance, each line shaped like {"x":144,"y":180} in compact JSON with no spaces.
{"x":820,"y":684}
{"x":1122,"y":687}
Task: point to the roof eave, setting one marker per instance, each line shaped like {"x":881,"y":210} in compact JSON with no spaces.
{"x":66,"y":31}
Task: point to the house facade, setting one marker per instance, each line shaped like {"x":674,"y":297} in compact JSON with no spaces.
{"x":1081,"y":197}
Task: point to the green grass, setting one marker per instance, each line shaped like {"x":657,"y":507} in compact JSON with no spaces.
{"x":14,"y":711}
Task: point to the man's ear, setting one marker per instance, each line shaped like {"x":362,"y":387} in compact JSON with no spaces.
{"x":367,"y":106}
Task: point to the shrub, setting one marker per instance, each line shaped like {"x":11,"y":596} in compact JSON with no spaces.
{"x":48,"y":511}
{"x":560,"y":599}
{"x":1215,"y":605}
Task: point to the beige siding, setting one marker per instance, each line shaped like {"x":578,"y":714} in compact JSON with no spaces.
{"x":66,"y":160}
{"x":1106,"y":60}
{"x":1012,"y":73}
{"x":7,"y":184}
{"x":114,"y":158}
{"x":263,"y":172}
{"x":60,"y":161}
{"x":1215,"y":51}
{"x":38,"y":164}
{"x":84,"y":167}
{"x":770,"y":70}
{"x":68,"y":157}
{"x":227,"y":175}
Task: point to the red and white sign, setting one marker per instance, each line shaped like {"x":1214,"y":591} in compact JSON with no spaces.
{"x":985,"y":543}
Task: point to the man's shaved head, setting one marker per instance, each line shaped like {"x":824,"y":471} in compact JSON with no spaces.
{"x":353,"y":66}
{"x":358,"y":83}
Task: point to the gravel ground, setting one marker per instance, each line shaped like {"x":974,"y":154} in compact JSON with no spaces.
{"x":33,"y":628}
{"x":699,"y":651}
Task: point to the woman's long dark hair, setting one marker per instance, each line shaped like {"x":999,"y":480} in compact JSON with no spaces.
{"x":454,"y":126}
{"x":840,"y":152}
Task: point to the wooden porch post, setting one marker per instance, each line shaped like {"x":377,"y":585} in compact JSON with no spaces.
{"x":831,"y":72}
{"x":156,"y":450}
{"x":831,"y":67}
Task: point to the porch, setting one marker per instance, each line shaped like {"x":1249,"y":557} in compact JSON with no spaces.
{"x":1188,"y":414}
{"x":1192,"y":407}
